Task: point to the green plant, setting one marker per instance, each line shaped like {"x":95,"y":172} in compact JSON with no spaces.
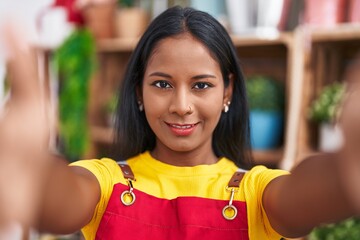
{"x":346,"y":230}
{"x":325,"y":107}
{"x":265,"y":93}
{"x":126,"y":3}
{"x":75,"y":60}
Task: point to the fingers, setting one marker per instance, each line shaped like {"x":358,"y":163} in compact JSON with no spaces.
{"x":21,"y":64}
{"x":350,"y":117}
{"x":349,"y":164}
{"x":27,"y":95}
{"x":24,"y":129}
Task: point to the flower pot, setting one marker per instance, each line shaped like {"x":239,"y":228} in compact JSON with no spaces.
{"x":100,"y":19}
{"x":266,"y":129}
{"x":131,"y":22}
{"x":330,"y":138}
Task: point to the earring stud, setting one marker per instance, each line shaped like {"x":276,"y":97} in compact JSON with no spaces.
{"x":226,"y":106}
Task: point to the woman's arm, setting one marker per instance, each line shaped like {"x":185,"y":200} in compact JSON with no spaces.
{"x":36,"y":188}
{"x":313,"y":194}
{"x":69,"y":198}
{"x":323,"y":188}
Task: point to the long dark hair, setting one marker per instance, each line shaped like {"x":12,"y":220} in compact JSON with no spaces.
{"x":231,"y":136}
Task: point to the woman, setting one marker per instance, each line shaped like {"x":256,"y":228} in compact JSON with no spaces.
{"x":182,"y":141}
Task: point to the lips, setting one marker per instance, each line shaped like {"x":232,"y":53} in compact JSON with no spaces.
{"x":182,"y":129}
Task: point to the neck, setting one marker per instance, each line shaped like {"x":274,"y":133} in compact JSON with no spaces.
{"x":184,"y":158}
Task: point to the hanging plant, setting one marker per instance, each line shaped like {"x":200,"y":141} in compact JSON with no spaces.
{"x":75,"y":61}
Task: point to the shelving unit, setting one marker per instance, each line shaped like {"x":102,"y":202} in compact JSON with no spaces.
{"x":270,"y":57}
{"x":305,"y":60}
{"x":258,"y":55}
{"x":327,"y":54}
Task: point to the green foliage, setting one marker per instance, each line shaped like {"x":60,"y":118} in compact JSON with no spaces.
{"x":346,"y":230}
{"x":126,"y":3}
{"x":75,"y":60}
{"x":325,"y":107}
{"x":265,"y":93}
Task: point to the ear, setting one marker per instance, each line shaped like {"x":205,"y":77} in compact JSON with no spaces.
{"x":228,"y":91}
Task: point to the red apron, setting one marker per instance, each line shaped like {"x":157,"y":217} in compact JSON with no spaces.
{"x":150,"y":217}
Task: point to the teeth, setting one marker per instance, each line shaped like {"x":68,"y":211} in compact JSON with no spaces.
{"x":182,"y":127}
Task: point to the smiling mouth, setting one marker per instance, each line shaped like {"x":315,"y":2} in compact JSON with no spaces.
{"x":185,"y":126}
{"x":182,"y":129}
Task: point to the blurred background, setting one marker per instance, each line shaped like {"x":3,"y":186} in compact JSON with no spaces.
{"x":294,"y":54}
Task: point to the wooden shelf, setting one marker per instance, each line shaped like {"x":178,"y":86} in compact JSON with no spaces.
{"x":324,"y":60}
{"x":305,"y":60}
{"x":341,"y":32}
{"x":128,"y":44}
{"x":117,"y":45}
{"x":268,"y":157}
{"x":253,"y":41}
{"x":102,"y":134}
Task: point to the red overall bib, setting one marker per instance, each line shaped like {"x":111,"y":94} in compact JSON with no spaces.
{"x":180,"y":218}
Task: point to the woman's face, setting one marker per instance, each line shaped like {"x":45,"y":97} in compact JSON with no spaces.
{"x":183,"y":95}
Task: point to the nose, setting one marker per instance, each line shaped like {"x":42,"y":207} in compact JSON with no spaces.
{"x":181,"y":103}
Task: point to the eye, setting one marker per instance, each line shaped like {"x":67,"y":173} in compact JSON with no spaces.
{"x":161,"y":84}
{"x":202,"y":85}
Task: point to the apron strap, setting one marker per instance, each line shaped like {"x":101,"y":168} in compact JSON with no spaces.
{"x":230,"y":211}
{"x":236,"y":179}
{"x":126,"y":170}
{"x":128,"y":196}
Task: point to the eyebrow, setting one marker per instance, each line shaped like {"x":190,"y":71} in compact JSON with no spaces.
{"x":160,"y":74}
{"x":201,"y":76}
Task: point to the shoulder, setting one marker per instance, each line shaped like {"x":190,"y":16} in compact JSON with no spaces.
{"x":107,"y":173}
{"x":253,"y":185}
{"x":261,"y":175}
{"x":103,"y":169}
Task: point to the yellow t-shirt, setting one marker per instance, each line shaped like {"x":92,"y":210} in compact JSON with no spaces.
{"x":169,"y":182}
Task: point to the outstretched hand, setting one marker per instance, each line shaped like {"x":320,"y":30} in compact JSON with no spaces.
{"x":349,"y":163}
{"x":24,"y":131}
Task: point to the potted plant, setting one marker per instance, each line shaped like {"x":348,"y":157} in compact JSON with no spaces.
{"x":266,"y":101}
{"x":131,"y":19}
{"x":323,"y":111}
